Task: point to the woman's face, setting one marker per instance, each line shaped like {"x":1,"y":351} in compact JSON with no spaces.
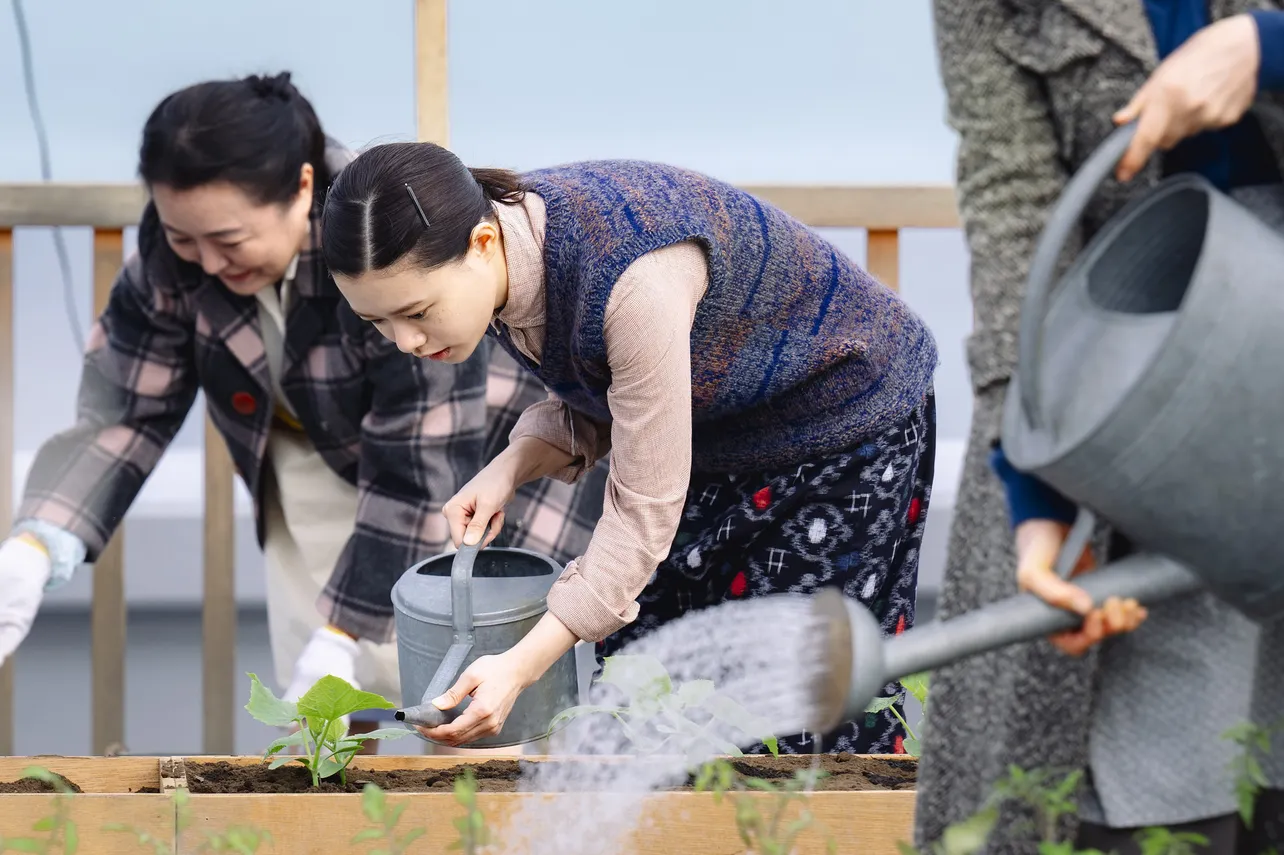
{"x":439,"y":314}
{"x":248,"y":246}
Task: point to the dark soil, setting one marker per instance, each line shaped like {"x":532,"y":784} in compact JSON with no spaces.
{"x":845,"y":772}
{"x":33,"y":785}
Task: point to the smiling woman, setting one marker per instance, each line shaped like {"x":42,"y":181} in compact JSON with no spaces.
{"x":235,"y":197}
{"x":348,"y":447}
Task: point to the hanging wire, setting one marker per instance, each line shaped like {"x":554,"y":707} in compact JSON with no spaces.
{"x":46,"y":172}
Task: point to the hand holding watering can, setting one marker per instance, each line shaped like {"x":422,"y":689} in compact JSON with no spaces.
{"x":1207,"y":84}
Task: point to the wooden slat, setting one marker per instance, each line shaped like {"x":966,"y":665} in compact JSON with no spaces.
{"x":91,"y":774}
{"x":926,"y":206}
{"x":218,"y":616}
{"x":108,"y":206}
{"x":149,"y":814}
{"x":6,"y":457}
{"x":882,"y":257}
{"x":108,"y":608}
{"x":870,"y":823}
{"x":432,"y":91}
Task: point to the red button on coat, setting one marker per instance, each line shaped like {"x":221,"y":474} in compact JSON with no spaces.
{"x":244,"y":403}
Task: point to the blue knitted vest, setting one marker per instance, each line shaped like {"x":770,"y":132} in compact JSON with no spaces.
{"x":796,"y":352}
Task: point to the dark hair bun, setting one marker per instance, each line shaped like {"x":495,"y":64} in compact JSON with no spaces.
{"x":278,"y":86}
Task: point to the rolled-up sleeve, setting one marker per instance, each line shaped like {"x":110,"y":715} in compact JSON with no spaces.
{"x":580,"y":437}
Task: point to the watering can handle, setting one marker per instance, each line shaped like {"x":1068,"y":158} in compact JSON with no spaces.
{"x":1041,"y":278}
{"x":1146,"y":577}
{"x":425,"y":714}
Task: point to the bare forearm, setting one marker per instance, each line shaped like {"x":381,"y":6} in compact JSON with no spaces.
{"x":528,"y":458}
{"x":547,"y":641}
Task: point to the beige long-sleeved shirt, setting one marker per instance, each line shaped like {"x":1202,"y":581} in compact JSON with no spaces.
{"x":648,"y":336}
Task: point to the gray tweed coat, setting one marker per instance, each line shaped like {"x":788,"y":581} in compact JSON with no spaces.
{"x":1031,"y":86}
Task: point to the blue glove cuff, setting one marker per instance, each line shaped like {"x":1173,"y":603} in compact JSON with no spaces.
{"x":66,"y":551}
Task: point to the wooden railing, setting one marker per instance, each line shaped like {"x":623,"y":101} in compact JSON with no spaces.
{"x":109,"y":209}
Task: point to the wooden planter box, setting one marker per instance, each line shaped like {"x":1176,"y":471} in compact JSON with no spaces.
{"x":137,"y":791}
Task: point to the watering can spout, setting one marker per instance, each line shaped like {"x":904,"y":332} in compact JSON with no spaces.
{"x":422,"y":715}
{"x":426,"y":714}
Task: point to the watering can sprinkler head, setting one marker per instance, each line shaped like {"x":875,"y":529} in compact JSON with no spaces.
{"x":858,"y":661}
{"x":851,"y":649}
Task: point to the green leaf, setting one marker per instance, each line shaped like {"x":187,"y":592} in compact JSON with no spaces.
{"x":905,"y":848}
{"x":332,"y":764}
{"x":40,"y":773}
{"x":637,"y":675}
{"x":367,"y":835}
{"x":879,"y":704}
{"x":1052,"y":847}
{"x":729,"y":711}
{"x":968,"y":836}
{"x":70,"y":838}
{"x":267,"y":707}
{"x":583,"y":709}
{"x":373,"y":802}
{"x":43,"y":824}
{"x":411,"y":836}
{"x":916,"y":685}
{"x":381,"y":733}
{"x":912,"y":746}
{"x":23,"y":844}
{"x":298,"y":738}
{"x":694,"y":692}
{"x":332,"y":697}
{"x":278,"y":762}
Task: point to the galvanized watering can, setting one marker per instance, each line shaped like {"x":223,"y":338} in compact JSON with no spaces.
{"x":1149,"y":383}
{"x":455,"y":608}
{"x":1150,"y":391}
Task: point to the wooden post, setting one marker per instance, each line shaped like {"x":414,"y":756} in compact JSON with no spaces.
{"x":218,"y":613}
{"x":107,"y":615}
{"x":6,"y":457}
{"x":882,"y":256}
{"x":432,"y":92}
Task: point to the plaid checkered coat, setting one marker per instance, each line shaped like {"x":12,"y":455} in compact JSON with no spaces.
{"x":407,"y":432}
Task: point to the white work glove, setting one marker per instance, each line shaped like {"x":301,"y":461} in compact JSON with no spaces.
{"x":327,"y":652}
{"x":24,"y":571}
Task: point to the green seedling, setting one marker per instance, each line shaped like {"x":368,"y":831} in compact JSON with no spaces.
{"x":1254,"y":742}
{"x":1066,"y":847}
{"x":1164,"y":841}
{"x":916,"y":685}
{"x":763,"y":833}
{"x":374,"y":804}
{"x":1050,"y":799}
{"x":60,"y":834}
{"x":474,"y":836}
{"x":658,"y":715}
{"x":145,"y":839}
{"x":327,"y":746}
{"x":238,"y":839}
{"x":962,"y":838}
{"x":182,"y":819}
